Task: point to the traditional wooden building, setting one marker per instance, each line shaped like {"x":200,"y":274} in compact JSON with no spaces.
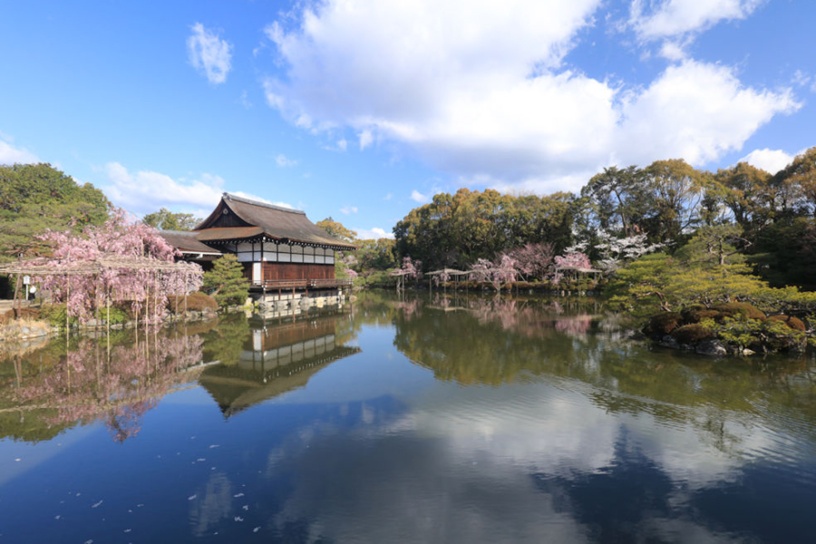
{"x":280,"y":248}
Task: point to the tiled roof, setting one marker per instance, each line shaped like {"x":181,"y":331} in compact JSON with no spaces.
{"x":187,"y":242}
{"x":236,"y":215}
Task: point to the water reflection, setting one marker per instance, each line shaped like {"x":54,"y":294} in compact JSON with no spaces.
{"x":274,"y":358}
{"x":444,"y":419}
{"x":93,"y":380}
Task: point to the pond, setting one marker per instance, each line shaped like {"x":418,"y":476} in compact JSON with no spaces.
{"x":425,"y":418}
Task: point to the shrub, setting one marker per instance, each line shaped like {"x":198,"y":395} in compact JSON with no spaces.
{"x":55,"y":314}
{"x":742,"y":309}
{"x":196,"y":302}
{"x":118,"y":315}
{"x":692,"y":333}
{"x":663,"y":324}
{"x":793,"y":322}
{"x":696,"y":314}
{"x":778,"y":336}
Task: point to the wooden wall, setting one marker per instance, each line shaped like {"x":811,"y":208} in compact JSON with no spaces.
{"x":293,"y":271}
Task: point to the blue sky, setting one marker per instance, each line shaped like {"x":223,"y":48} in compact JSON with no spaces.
{"x":362,"y":110}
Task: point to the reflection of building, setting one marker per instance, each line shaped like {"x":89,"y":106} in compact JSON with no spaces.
{"x":275,"y":360}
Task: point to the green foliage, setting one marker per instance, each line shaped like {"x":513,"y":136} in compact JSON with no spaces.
{"x":38,"y":197}
{"x":455,"y":231}
{"x":376,"y":255}
{"x":740,"y":309}
{"x":225,"y":342}
{"x":226,"y":281}
{"x":785,"y":252}
{"x":164,"y":219}
{"x":337,"y":230}
{"x":56,"y":314}
{"x":792,"y":322}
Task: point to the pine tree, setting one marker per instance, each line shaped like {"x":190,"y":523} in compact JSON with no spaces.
{"x":226,"y":281}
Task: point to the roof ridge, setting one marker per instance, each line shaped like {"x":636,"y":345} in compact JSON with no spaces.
{"x":230,"y":196}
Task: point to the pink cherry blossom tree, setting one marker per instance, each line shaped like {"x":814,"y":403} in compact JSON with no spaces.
{"x":119,"y":261}
{"x":498,"y":273}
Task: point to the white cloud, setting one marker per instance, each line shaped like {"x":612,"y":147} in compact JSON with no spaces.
{"x":668,"y":18}
{"x":145,"y":191}
{"x":346,"y":210}
{"x":262,"y":199}
{"x":284,"y":162}
{"x":366,"y":138}
{"x":770,"y":160}
{"x":416,"y":196}
{"x":697,"y":112}
{"x":373,"y":233}
{"x":10,"y":154}
{"x":481,"y":91}
{"x":209,"y":54}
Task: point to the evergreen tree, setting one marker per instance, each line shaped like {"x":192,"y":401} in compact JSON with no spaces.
{"x":226,"y":281}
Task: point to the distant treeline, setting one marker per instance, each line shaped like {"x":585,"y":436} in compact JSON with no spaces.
{"x":668,"y":201}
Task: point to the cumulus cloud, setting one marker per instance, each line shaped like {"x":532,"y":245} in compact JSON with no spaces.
{"x":9,"y":154}
{"x":347,"y":210}
{"x":209,"y":54}
{"x":770,"y":160}
{"x":698,"y":112}
{"x":284,"y":162}
{"x":146,"y":191}
{"x":374,"y":233}
{"x":485,"y":92}
{"x":669,"y":18}
{"x":416,"y":196}
{"x":262,"y":199}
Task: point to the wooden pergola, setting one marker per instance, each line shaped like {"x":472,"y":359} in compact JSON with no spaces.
{"x":450,"y":272}
{"x":91,"y":268}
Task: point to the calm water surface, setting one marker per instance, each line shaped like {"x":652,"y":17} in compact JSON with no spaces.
{"x":429,"y":419}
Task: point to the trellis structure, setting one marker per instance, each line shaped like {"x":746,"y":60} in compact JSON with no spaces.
{"x":446,"y":273}
{"x":95,"y":268}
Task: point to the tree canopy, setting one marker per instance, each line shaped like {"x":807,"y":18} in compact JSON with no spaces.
{"x":164,"y":219}
{"x":38,"y":197}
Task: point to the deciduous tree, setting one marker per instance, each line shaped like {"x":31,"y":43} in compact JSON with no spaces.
{"x":164,"y":219}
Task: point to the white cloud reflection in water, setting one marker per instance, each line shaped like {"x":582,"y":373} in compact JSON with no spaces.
{"x":481,"y":464}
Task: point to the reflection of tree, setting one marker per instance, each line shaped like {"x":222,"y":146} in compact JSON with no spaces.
{"x":502,"y":340}
{"x":225,"y":342}
{"x":117,"y":386}
{"x":495,"y":341}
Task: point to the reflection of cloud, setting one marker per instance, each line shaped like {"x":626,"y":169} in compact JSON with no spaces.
{"x":517,"y":463}
{"x":211,"y":504}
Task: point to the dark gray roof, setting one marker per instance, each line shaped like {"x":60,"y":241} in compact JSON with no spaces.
{"x":187,"y":242}
{"x":234,"y":216}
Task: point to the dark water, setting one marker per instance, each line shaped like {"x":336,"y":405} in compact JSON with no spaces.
{"x":414,"y":420}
